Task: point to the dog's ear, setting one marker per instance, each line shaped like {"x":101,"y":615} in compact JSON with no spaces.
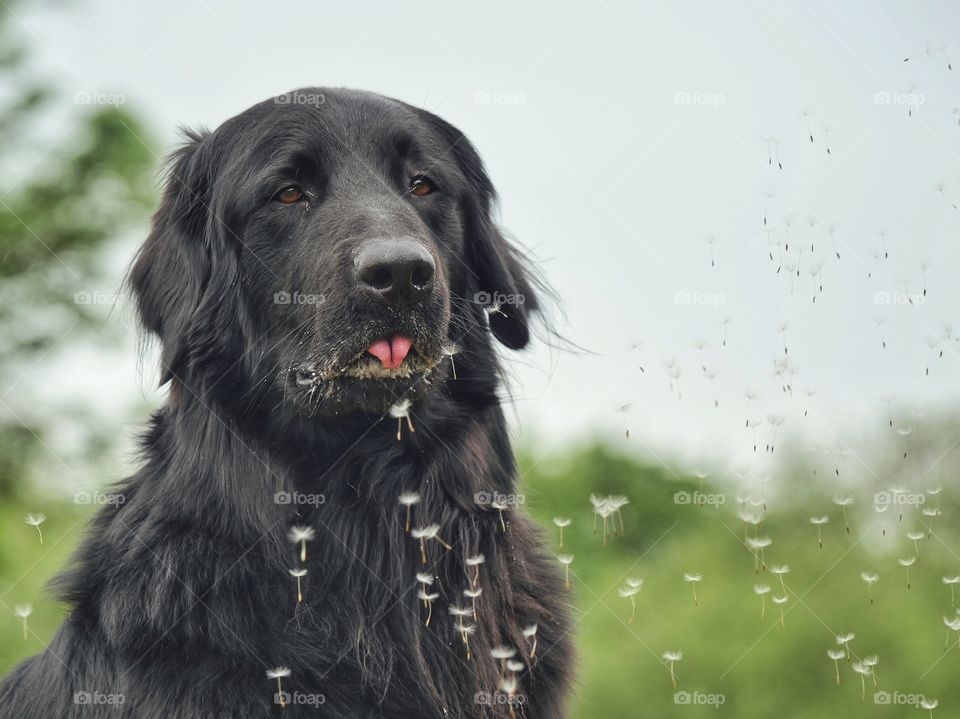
{"x":498,"y":272}
{"x":172,"y":268}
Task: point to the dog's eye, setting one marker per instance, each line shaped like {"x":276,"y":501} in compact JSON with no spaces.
{"x":289,"y":195}
{"x":422,"y":186}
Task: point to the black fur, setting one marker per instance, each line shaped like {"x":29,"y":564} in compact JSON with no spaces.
{"x":180,"y":599}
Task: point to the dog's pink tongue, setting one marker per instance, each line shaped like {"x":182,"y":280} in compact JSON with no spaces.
{"x":392,"y":352}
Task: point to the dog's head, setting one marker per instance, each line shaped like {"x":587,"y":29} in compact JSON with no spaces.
{"x":330,"y":248}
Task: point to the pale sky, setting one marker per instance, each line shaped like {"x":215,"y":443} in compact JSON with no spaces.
{"x":621,"y":135}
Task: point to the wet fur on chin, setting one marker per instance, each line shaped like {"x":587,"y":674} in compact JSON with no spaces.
{"x":180,"y":598}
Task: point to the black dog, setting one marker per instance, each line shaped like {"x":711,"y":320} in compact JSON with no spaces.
{"x":325,"y":280}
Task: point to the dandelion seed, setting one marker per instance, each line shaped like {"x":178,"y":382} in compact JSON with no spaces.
{"x":530,"y":633}
{"x":401,"y":411}
{"x":299,"y":574}
{"x":940,"y":186}
{"x":915,"y":537}
{"x":500,"y":506}
{"x":844,"y":640}
{"x":818,"y":522}
{"x":929,"y":704}
{"x":466,"y":631}
{"x":780,"y":601}
{"x":425,"y":534}
{"x":752,"y":425}
{"x":757,"y":545}
{"x":630,"y":591}
{"x":671,"y":658}
{"x":952,"y":582}
{"x":475,"y":561}
{"x":872,"y":661}
{"x":953,"y":625}
{"x":428,"y":599}
{"x":407,"y":500}
{"x":35,"y":520}
{"x":935,"y":492}
{"x":449,"y":349}
{"x":472,"y":595}
{"x":23,"y":611}
{"x":726,"y":322}
{"x":864,"y":671}
{"x":566,"y":560}
{"x":622,"y":411}
{"x":751,"y":394}
{"x":279,"y":674}
{"x":779,"y":571}
{"x":301,"y":535}
{"x":805,"y":114}
{"x":907,"y":563}
{"x":843,"y":503}
{"x":836,"y":655}
{"x":870,"y":579}
{"x":761,"y":590}
{"x":561,"y":522}
{"x":826,"y":140}
{"x":711,"y":374}
{"x":693,"y":580}
{"x":503,"y":654}
{"x":766,"y":206}
{"x":776,"y":150}
{"x":710,"y":240}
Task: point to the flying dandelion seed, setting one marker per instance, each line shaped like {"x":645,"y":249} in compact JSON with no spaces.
{"x":757,"y":545}
{"x":401,"y":411}
{"x":818,"y":522}
{"x":770,"y":197}
{"x":761,"y":590}
{"x":815,"y":270}
{"x":710,"y":242}
{"x":711,"y":374}
{"x":301,"y":535}
{"x":929,"y":704}
{"x":725,"y":323}
{"x":879,"y":322}
{"x":864,"y":671}
{"x":566,"y":560}
{"x":895,"y":492}
{"x":752,"y":425}
{"x":872,"y":661}
{"x":424,"y":535}
{"x":870,"y":579}
{"x":407,"y":500}
{"x":776,"y":150}
{"x":502,"y":654}
{"x":562,"y":523}
{"x":935,"y":492}
{"x":35,"y":520}
{"x":952,"y":582}
{"x":953,"y":625}
{"x":924,"y":266}
{"x":693,"y":580}
{"x":836,"y":655}
{"x":940,"y":187}
{"x":932,"y":345}
{"x":751,"y":394}
{"x":23,"y":612}
{"x":931,"y":513}
{"x":428,"y":598}
{"x":279,"y":674}
{"x":530,"y":634}
{"x":778,"y":572}
{"x":907,"y":563}
{"x":425,"y":580}
{"x":769,"y":142}
{"x":622,"y":410}
{"x":844,"y":640}
{"x":915,"y":537}
{"x":475,"y":561}
{"x":466,"y":631}
{"x":843,"y":503}
{"x":805,"y":114}
{"x":671,"y":658}
{"x":826,"y":139}
{"x":299,"y":573}
{"x":449,"y":349}
{"x":630,"y":591}
{"x":780,"y":601}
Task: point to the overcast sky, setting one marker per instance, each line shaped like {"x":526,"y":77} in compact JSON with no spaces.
{"x":621,"y":136}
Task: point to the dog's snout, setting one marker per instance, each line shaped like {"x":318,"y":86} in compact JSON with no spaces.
{"x":396,"y":272}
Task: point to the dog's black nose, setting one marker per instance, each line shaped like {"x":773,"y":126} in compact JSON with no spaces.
{"x":396,"y":272}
